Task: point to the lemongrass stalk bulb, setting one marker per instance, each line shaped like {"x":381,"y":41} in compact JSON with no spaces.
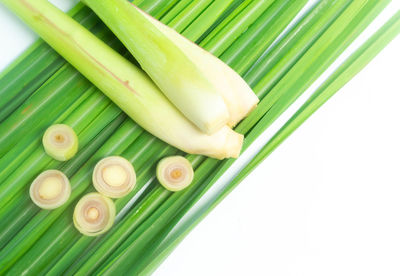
{"x":50,"y":189}
{"x":114,"y":177}
{"x":94,"y":214}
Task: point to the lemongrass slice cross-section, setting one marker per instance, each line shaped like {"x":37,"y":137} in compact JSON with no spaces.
{"x":175,"y":173}
{"x":94,"y":214}
{"x":114,"y":177}
{"x":60,"y":142}
{"x":50,"y":189}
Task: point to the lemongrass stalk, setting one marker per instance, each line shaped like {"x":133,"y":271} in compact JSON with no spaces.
{"x":352,"y":66}
{"x":172,"y":68}
{"x":125,"y":84}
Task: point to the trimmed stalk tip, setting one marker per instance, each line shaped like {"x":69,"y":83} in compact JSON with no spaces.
{"x":175,"y":173}
{"x":94,"y":214}
{"x":114,"y":177}
{"x":60,"y":142}
{"x":50,"y":189}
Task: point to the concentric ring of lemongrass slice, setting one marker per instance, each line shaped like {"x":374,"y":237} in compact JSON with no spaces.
{"x":50,"y":189}
{"x":114,"y":177}
{"x":94,"y":214}
{"x":175,"y":173}
{"x":60,"y":142}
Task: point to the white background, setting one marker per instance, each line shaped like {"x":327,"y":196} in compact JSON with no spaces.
{"x":326,"y":202}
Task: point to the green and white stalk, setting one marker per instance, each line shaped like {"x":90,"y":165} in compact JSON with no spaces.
{"x":192,"y":78}
{"x":126,"y":85}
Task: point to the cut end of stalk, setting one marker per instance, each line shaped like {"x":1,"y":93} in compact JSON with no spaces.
{"x":114,"y":177}
{"x":94,"y":214}
{"x":175,"y":173}
{"x":234,"y":145}
{"x":50,"y":189}
{"x":60,"y":142}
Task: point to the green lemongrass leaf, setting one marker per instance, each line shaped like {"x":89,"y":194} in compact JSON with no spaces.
{"x":277,"y":60}
{"x":212,"y":13}
{"x":275,"y":19}
{"x":222,"y":30}
{"x":174,"y":12}
{"x":188,"y":15}
{"x":351,"y":67}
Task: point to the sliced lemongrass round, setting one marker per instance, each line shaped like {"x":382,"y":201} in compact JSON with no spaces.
{"x":60,"y":142}
{"x":94,"y":214}
{"x":114,"y":177}
{"x":175,"y":173}
{"x":50,"y":189}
